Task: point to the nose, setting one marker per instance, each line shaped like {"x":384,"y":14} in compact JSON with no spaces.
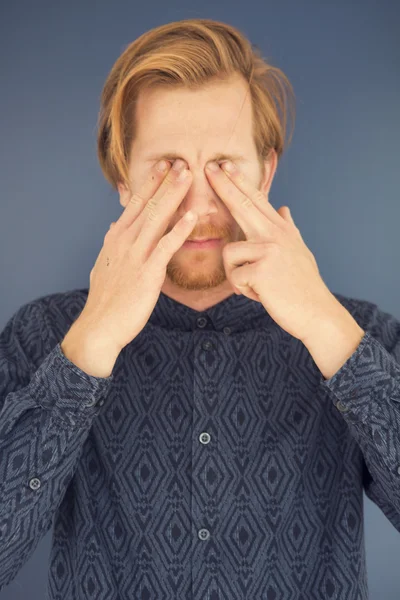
{"x":201,"y":196}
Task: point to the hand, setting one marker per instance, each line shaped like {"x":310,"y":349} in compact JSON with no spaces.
{"x":130,"y":270}
{"x":273,"y":266}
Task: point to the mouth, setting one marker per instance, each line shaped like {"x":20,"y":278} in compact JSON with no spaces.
{"x":203,"y":244}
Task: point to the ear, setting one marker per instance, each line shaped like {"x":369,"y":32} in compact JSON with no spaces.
{"x":270,"y":166}
{"x":122,"y":190}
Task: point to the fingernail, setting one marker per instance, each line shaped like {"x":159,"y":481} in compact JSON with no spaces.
{"x":162,"y":166}
{"x":212,"y":166}
{"x":178,"y":165}
{"x":190,"y":216}
{"x":228,"y":166}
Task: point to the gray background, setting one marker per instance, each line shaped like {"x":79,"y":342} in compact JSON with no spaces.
{"x":339,"y":176}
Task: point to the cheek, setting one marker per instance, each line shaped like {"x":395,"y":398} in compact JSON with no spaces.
{"x":138,"y":173}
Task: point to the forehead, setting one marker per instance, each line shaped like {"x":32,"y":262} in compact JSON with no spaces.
{"x":217,"y":115}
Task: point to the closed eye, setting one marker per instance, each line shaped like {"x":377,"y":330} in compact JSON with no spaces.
{"x":172,"y":160}
{"x":219,"y":158}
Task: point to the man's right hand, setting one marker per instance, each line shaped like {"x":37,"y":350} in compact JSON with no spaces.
{"x":130,"y":270}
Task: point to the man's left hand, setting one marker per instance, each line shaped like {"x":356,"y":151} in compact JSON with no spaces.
{"x":273,"y":266}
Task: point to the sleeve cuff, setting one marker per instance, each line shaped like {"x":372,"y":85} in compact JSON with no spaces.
{"x":366,"y":380}
{"x":59,"y":385}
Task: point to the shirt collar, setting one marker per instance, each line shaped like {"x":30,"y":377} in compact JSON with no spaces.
{"x":237,"y":313}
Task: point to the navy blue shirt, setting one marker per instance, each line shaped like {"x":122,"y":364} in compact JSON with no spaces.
{"x":216,"y":462}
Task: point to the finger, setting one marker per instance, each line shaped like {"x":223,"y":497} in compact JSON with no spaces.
{"x":108,"y":232}
{"x":136,"y":202}
{"x":160,"y":209}
{"x":170,"y":243}
{"x":152,"y":191}
{"x":243,"y":200}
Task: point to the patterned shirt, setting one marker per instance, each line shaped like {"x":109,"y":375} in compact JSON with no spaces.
{"x":216,"y":462}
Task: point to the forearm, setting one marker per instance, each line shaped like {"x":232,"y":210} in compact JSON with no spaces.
{"x":333,"y":340}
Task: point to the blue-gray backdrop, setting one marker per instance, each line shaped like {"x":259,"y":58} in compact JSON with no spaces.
{"x":339,"y":176}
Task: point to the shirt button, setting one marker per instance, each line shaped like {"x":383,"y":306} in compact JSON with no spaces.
{"x":342,"y":407}
{"x":101,"y":402}
{"x":398,"y":470}
{"x":34,"y":483}
{"x":207,"y":345}
{"x":227,"y":330}
{"x":201,"y":322}
{"x":204,"y":534}
{"x":204,"y":437}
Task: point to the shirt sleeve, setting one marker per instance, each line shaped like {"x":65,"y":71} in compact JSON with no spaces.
{"x":366,"y":392}
{"x":46,"y":413}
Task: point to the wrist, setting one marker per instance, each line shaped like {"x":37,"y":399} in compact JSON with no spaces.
{"x":89,"y":350}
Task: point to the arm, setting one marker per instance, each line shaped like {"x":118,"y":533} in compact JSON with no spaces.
{"x":46,"y":414}
{"x":365,"y":389}
{"x":333,"y":340}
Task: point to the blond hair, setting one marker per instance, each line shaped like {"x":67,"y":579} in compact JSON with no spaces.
{"x":189,"y":53}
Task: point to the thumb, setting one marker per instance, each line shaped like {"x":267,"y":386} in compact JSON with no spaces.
{"x":285,"y":213}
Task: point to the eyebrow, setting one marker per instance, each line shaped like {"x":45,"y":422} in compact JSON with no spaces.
{"x":217,"y":157}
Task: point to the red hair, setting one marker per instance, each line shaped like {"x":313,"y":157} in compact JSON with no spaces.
{"x":189,"y":53}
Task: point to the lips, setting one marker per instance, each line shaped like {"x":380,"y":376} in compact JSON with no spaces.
{"x":209,"y":243}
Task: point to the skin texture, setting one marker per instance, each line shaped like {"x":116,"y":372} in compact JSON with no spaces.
{"x":195,"y":126}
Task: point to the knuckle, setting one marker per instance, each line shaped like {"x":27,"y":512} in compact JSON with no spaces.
{"x":164,"y":244}
{"x":136,"y":199}
{"x":245,"y":201}
{"x":259,"y":196}
{"x":171,"y":177}
{"x":167,"y":183}
{"x":151,"y":207}
{"x":312,"y":257}
{"x":113,"y":227}
{"x":108,"y":235}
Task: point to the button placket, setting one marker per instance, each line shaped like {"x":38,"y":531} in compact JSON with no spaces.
{"x":201,"y":322}
{"x":204,"y":436}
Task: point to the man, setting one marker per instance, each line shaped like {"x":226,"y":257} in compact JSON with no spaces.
{"x":218,"y":447}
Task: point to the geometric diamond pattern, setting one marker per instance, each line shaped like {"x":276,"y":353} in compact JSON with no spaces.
{"x":268,"y":505}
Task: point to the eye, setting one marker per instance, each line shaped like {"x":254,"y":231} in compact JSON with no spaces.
{"x":172,"y":160}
